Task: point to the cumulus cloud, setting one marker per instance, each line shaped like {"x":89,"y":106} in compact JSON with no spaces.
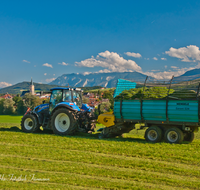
{"x":174,"y":67}
{"x":63,"y":63}
{"x":50,"y":80}
{"x":163,"y":59}
{"x":47,"y":65}
{"x":136,"y":55}
{"x":4,"y":84}
{"x":26,"y":61}
{"x":111,"y":61}
{"x":168,"y":74}
{"x":155,"y":58}
{"x":189,"y":53}
{"x":45,"y":74}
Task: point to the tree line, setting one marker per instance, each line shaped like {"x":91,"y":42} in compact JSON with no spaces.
{"x":18,"y":105}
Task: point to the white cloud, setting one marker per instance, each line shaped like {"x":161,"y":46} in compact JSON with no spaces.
{"x":50,"y":80}
{"x":165,"y":66}
{"x":168,"y":74}
{"x":110,"y":60}
{"x":45,"y":74}
{"x":187,"y":54}
{"x":103,"y":71}
{"x":155,"y":58}
{"x":155,"y":70}
{"x":163,"y":59}
{"x":4,"y":84}
{"x":54,"y":74}
{"x":86,"y":73}
{"x":63,"y":63}
{"x":136,"y":55}
{"x":26,"y":61}
{"x":47,"y":65}
{"x":174,"y":67}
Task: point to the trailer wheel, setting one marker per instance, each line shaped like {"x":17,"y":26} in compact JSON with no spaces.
{"x":29,"y":124}
{"x":153,"y":134}
{"x":189,"y":136}
{"x":63,"y":122}
{"x":174,"y":135}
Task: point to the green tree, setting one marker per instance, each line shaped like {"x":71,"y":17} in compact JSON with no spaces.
{"x":31,"y":101}
{"x":17,"y":99}
{"x":1,"y":105}
{"x":105,"y":107}
{"x":109,"y":95}
{"x":8,"y":106}
{"x":21,"y":109}
{"x":85,"y":100}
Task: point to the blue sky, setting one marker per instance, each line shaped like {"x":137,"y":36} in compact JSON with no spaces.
{"x":45,"y":39}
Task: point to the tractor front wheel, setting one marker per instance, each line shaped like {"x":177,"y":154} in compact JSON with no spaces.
{"x":29,"y":124}
{"x":63,"y":122}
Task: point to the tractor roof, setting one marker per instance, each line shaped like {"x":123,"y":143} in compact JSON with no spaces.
{"x":63,"y":88}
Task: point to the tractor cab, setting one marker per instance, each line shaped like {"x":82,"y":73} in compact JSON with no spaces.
{"x":67,"y":96}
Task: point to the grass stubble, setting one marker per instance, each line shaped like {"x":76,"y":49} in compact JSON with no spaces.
{"x":48,"y":161}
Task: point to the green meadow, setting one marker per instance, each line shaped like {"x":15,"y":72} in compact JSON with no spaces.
{"x":47,"y":161}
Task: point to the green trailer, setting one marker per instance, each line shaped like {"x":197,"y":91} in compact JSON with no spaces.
{"x":170,"y":119}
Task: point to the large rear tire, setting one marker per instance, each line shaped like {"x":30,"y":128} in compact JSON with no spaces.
{"x":174,"y":135}
{"x":153,"y":134}
{"x":29,"y":124}
{"x":63,"y":122}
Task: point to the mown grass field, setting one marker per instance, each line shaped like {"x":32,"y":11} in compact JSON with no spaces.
{"x":47,"y":161}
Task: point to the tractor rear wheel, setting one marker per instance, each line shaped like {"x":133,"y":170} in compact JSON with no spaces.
{"x":63,"y":122}
{"x":29,"y":124}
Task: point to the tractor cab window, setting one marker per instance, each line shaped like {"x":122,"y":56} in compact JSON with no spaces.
{"x":67,"y":95}
{"x":56,"y":97}
{"x":77,"y":98}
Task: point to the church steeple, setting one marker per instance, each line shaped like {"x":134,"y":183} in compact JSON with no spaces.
{"x":31,"y":81}
{"x":32,"y":88}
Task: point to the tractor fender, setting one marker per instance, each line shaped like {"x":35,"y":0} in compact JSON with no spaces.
{"x":62,"y":106}
{"x":37,"y":116}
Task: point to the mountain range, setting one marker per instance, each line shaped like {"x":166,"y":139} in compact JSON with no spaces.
{"x":189,"y":75}
{"x":108,"y":80}
{"x":95,"y":80}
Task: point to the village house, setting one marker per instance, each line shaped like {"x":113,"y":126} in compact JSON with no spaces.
{"x":7,"y":96}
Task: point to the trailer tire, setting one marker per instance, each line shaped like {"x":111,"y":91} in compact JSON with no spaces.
{"x":189,"y":137}
{"x":29,"y":124}
{"x":174,"y":135}
{"x":63,"y":122}
{"x":153,"y":134}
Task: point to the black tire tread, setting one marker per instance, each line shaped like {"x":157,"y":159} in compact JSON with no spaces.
{"x":178,"y":131}
{"x":36,"y":127}
{"x":189,"y":136}
{"x":159,"y":133}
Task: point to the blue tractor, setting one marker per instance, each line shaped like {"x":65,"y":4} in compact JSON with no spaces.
{"x":65,"y":114}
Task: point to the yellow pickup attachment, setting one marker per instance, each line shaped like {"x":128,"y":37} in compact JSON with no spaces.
{"x":107,"y":119}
